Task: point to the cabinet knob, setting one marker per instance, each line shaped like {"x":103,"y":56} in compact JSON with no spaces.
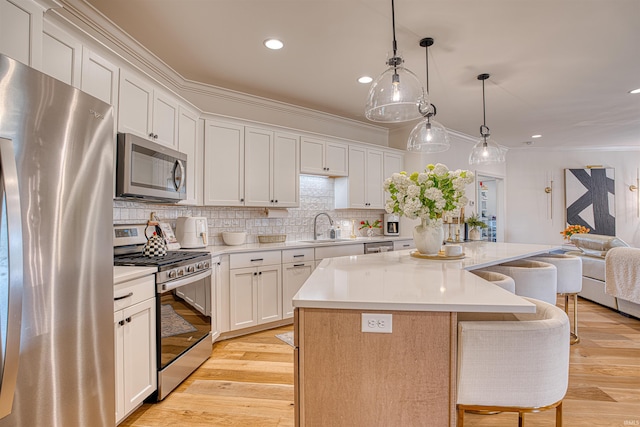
{"x":260,"y":273}
{"x":242,"y":200}
{"x":151,"y":135}
{"x":255,"y":274}
{"x":128,"y":319}
{"x":276,"y":200}
{"x":155,"y":136}
{"x":121,"y":323}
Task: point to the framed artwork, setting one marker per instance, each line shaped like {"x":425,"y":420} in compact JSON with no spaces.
{"x":590,"y":199}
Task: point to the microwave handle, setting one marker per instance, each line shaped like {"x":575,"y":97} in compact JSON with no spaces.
{"x":178,"y":183}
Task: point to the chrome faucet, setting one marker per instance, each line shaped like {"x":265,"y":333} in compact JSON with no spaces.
{"x":315,"y":224}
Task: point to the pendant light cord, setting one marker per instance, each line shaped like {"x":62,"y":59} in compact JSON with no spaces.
{"x":484,"y":130}
{"x":393,"y":26}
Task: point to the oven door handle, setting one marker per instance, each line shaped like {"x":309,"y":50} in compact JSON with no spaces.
{"x":169,"y":286}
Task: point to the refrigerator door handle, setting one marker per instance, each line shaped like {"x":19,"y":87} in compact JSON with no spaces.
{"x":10,"y":192}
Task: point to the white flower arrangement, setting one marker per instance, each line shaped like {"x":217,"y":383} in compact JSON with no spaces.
{"x":428,"y":194}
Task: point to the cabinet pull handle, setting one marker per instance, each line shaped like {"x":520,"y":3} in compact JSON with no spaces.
{"x":128,"y":319}
{"x":298,"y":256}
{"x":130,"y":294}
{"x":406,"y":245}
{"x":257,"y":259}
{"x":121,"y":323}
{"x":298,"y":265}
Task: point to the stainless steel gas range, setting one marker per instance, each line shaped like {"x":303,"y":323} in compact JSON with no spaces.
{"x":183,"y":317}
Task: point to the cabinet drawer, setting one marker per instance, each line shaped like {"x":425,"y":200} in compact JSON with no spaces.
{"x":254,"y":259}
{"x":399,"y":245}
{"x":134,"y":291}
{"x":297,"y":255}
{"x":339,"y":250}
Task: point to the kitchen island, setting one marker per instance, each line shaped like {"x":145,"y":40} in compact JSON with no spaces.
{"x":375,"y":335}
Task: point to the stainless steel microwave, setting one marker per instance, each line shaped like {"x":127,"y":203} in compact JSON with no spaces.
{"x":148,"y":171}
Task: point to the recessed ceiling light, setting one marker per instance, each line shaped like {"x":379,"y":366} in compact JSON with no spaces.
{"x":273,"y":44}
{"x":635,"y":91}
{"x":365,"y":79}
{"x":536,"y":136}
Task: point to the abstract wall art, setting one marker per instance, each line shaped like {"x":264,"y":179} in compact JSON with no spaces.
{"x":590,"y":199}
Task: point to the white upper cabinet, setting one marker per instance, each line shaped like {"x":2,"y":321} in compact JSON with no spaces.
{"x":363,"y":188}
{"x":271,"y":168}
{"x":61,"y":55}
{"x":147,"y":112}
{"x":189,"y":142}
{"x":319,"y":157}
{"x":21,"y":31}
{"x":223,"y":164}
{"x":99,"y":77}
{"x":286,"y":170}
{"x":258,"y":165}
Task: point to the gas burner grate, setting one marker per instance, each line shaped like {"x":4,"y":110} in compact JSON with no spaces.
{"x":172,"y":257}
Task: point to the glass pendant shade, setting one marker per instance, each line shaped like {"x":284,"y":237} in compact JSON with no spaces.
{"x":428,"y":136}
{"x":485,"y":152}
{"x":394,"y":96}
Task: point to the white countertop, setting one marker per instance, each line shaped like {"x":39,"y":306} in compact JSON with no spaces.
{"x":398,"y":281}
{"x":124,"y":274}
{"x":255,"y":247}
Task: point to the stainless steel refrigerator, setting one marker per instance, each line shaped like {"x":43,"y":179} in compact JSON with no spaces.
{"x":56,"y":266}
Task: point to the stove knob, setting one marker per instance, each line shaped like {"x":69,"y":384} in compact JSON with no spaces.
{"x":191,"y":269}
{"x":180,"y":273}
{"x":171,"y":274}
{"x":206,"y":264}
{"x":199,"y":266}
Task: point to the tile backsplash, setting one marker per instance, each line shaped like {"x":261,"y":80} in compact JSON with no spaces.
{"x":316,"y":195}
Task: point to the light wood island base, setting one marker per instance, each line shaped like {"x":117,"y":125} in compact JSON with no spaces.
{"x":345,"y":377}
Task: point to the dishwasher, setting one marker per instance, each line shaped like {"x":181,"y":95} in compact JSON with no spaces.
{"x":377,"y":247}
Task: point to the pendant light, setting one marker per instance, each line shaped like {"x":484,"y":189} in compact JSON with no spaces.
{"x":485,"y":151}
{"x":396,"y":93}
{"x":428,"y":136}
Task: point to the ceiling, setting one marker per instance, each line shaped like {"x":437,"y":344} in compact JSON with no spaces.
{"x":559,"y":68}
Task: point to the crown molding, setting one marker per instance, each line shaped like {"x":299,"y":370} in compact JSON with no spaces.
{"x":114,"y":38}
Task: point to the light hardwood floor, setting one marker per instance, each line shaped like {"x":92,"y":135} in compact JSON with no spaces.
{"x":248,"y":381}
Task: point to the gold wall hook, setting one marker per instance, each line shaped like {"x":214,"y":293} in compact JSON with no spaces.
{"x":633,"y":188}
{"x":547,"y":190}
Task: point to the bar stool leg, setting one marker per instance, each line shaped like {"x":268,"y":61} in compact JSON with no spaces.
{"x":574,"y":334}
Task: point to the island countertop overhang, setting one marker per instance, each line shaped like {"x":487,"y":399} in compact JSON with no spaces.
{"x":397,"y":281}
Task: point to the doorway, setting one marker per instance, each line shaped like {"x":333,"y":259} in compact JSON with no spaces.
{"x":490,"y":205}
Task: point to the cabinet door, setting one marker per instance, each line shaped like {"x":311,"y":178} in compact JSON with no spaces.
{"x":188,"y":144}
{"x":293,"y":276}
{"x":286,"y":178}
{"x":61,"y":55}
{"x":312,"y":156}
{"x":269,"y":284}
{"x":140,"y":376}
{"x":257,"y":167}
{"x":99,"y":77}
{"x":224,"y":164}
{"x":243,"y":298}
{"x":336,"y":160}
{"x":135,"y":105}
{"x":118,"y":335}
{"x":357,"y":178}
{"x":21,"y":31}
{"x":165,"y":119}
{"x":374,"y":179}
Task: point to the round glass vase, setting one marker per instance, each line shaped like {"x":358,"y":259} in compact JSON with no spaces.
{"x":428,"y":236}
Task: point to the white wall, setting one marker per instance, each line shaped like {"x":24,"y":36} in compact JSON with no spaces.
{"x":530,"y":218}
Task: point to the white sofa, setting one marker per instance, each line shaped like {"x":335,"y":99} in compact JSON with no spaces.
{"x":593,"y":248}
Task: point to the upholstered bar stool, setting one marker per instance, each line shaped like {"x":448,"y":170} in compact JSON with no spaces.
{"x":498,"y":279}
{"x":518,"y":365}
{"x":534,"y":279}
{"x":569,"y":282}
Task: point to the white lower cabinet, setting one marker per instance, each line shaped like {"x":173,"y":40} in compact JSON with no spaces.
{"x":134,"y":324}
{"x":293,"y":276}
{"x":255,"y":281}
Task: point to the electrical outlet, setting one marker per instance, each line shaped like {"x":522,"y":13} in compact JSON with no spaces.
{"x":377,"y":323}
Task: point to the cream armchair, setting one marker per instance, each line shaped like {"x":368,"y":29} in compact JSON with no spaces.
{"x":519,"y":365}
